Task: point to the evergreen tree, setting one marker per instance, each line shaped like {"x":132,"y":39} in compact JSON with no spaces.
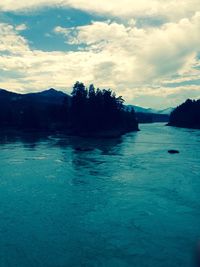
{"x":186,"y":115}
{"x":99,"y":110}
{"x":78,"y":105}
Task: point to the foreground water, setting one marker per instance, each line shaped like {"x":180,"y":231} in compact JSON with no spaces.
{"x":126,"y":202}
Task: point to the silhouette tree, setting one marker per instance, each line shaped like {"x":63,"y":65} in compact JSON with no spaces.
{"x":78,"y":105}
{"x":86,"y":111}
{"x":186,"y":115}
{"x":99,"y":110}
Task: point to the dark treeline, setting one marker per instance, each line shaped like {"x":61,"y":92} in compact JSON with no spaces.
{"x":99,"y":110}
{"x":186,"y":115}
{"x":35,"y":111}
{"x":151,"y":117}
{"x":86,"y":111}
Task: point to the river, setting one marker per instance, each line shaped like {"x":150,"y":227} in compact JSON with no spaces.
{"x":69,"y":201}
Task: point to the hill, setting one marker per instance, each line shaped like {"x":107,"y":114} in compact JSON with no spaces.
{"x":31,"y":111}
{"x":148,"y":115}
{"x":86,"y":111}
{"x":187,"y":115}
{"x":139,"y":109}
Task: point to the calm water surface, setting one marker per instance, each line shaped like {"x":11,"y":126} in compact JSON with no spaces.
{"x":126,"y":202}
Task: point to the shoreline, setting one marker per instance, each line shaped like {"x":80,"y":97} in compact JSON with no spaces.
{"x":66,"y":132}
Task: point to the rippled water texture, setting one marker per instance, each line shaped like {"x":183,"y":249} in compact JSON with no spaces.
{"x":83,"y":202}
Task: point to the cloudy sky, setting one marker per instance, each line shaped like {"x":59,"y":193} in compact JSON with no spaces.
{"x":147,"y":50}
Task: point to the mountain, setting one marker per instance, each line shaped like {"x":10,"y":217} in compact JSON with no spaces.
{"x":53,"y":110}
{"x":149,"y":115}
{"x":50,"y":96}
{"x":47,"y":97}
{"x":166,"y":111}
{"x":48,"y":105}
{"x":33,"y":110}
{"x":139,"y":109}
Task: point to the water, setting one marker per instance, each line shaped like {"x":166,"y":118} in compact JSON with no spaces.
{"x":125,"y":202}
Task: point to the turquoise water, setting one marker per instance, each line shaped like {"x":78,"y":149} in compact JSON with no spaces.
{"x":125,"y":202}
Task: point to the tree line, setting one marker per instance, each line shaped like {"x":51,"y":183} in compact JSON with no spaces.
{"x":94,"y":109}
{"x":86,"y":110}
{"x":186,"y":115}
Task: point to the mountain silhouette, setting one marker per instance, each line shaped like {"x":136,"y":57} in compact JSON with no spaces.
{"x":187,"y":115}
{"x":84,"y":112}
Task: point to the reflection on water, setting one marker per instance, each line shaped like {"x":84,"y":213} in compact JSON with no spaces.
{"x":69,"y":201}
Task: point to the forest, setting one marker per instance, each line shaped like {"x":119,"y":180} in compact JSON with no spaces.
{"x":186,"y":115}
{"x":87,"y":111}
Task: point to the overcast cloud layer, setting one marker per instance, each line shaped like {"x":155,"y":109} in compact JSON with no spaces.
{"x":148,"y":50}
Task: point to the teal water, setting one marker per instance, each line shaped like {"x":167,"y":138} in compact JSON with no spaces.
{"x":125,"y":202}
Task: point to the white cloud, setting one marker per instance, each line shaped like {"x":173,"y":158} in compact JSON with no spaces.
{"x":126,"y":8}
{"x":10,"y":41}
{"x":21,"y":27}
{"x":134,"y":61}
{"x":61,"y":30}
{"x":140,"y":55}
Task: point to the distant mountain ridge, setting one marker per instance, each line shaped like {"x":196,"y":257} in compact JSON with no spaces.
{"x":52,"y":99}
{"x":31,"y":110}
{"x":139,"y":109}
{"x":86,"y":112}
{"x":54,"y":96}
{"x":49,"y":93}
{"x":149,"y":115}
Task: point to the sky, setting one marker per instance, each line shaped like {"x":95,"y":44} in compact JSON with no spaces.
{"x":148,"y":51}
